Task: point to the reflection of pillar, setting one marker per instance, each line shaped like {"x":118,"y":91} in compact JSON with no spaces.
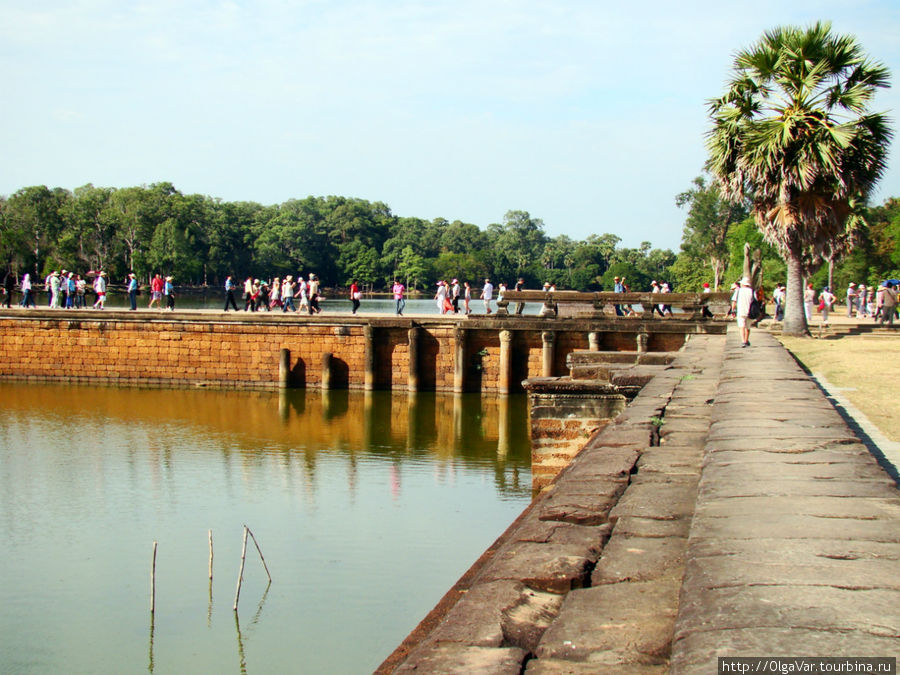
{"x":368,"y":420}
{"x":548,"y":353}
{"x":459,"y":360}
{"x":594,"y":341}
{"x":457,"y":422}
{"x":505,"y":362}
{"x":412,"y":381}
{"x":413,"y":421}
{"x":284,"y":369}
{"x":326,"y":370}
{"x":503,"y":426}
{"x":369,"y":365}
{"x":284,"y":406}
{"x":326,"y":404}
{"x":642,"y":340}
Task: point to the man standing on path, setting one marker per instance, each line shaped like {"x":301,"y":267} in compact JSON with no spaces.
{"x":487,"y":292}
{"x":740,"y":303}
{"x":156,"y":288}
{"x":851,"y":299}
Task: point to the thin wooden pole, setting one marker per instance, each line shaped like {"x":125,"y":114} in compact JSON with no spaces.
{"x":237,"y":593}
{"x":153,"y":582}
{"x":259,"y":550}
{"x":210,"y":554}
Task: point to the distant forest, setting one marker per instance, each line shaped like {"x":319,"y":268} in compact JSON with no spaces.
{"x":201,"y":240}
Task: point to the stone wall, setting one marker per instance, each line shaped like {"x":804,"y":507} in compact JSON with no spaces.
{"x":240,"y":350}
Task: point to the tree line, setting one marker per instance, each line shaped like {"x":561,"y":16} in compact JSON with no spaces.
{"x":200,"y":240}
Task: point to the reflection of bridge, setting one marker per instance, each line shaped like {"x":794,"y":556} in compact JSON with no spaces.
{"x":440,"y":353}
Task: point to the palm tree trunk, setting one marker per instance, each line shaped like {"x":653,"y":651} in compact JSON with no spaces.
{"x":794,"y":316}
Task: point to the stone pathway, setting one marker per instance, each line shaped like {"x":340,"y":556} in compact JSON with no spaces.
{"x":729,"y":511}
{"x":794,"y":547}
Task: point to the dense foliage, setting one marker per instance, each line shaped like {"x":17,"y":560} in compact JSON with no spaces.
{"x":201,"y":240}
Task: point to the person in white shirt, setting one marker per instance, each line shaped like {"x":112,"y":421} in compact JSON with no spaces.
{"x":487,"y":292}
{"x":826,"y":299}
{"x":740,"y":302}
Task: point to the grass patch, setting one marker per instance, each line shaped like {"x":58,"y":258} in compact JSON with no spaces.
{"x":866,"y":368}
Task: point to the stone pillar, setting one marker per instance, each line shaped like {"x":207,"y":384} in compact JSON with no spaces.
{"x":326,"y":370}
{"x":642,"y":340}
{"x":594,"y":341}
{"x":412,"y":381}
{"x":459,"y":360}
{"x":284,"y":369}
{"x":503,"y":381}
{"x":369,"y":358}
{"x":548,"y":353}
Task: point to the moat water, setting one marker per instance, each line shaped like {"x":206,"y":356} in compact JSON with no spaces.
{"x":367,"y":507}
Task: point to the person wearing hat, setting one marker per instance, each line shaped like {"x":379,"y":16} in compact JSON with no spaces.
{"x":851,"y":299}
{"x":169,"y":292}
{"x":132,"y":288}
{"x":54,"y":290}
{"x":618,"y":288}
{"x":312,"y":290}
{"x":441,"y":297}
{"x":740,"y":303}
{"x":454,"y":295}
{"x":487,"y":293}
{"x":100,"y":290}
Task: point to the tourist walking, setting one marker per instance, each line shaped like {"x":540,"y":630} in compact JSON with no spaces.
{"x":861,"y":299}
{"x":441,"y":297}
{"x":156,"y":288}
{"x":9,"y":285}
{"x":740,"y":302}
{"x":454,"y":295}
{"x":80,"y":288}
{"x":398,"y":289}
{"x":100,"y":290}
{"x":68,"y":284}
{"x":467,"y":297}
{"x":302,"y":292}
{"x":888,"y":303}
{"x":229,"y":293}
{"x":520,"y":286}
{"x":851,"y":299}
{"x":312,"y":290}
{"x":487,"y":293}
{"x":826,"y":300}
{"x":132,"y":291}
{"x":809,"y":302}
{"x":249,"y":304}
{"x":355,"y":295}
{"x":169,"y":293}
{"x":54,"y":290}
{"x":27,"y":292}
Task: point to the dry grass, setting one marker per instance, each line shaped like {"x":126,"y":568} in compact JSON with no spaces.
{"x":865,"y":368}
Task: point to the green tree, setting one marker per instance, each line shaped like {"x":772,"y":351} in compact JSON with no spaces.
{"x":710,"y":215}
{"x":793,"y":133}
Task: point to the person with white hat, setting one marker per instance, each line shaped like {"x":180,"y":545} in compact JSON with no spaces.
{"x":741,"y":301}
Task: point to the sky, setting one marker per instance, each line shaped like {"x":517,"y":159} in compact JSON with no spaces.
{"x":588,"y":114}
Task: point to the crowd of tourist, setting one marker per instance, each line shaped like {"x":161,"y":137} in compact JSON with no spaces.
{"x":69,"y":290}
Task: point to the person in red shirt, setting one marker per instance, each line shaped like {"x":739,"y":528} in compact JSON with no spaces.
{"x":156,"y":289}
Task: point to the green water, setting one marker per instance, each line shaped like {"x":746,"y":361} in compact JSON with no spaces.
{"x":366,"y":507}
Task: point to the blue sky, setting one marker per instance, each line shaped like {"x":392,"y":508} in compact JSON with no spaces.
{"x":588,"y":114}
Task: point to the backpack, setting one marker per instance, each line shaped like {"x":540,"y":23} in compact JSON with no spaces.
{"x":755,"y":309}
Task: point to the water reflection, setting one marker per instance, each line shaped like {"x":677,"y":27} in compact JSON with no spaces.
{"x":369,"y":506}
{"x":294,"y":426}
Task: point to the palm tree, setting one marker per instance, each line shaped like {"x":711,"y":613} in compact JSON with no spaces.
{"x":793,"y":133}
